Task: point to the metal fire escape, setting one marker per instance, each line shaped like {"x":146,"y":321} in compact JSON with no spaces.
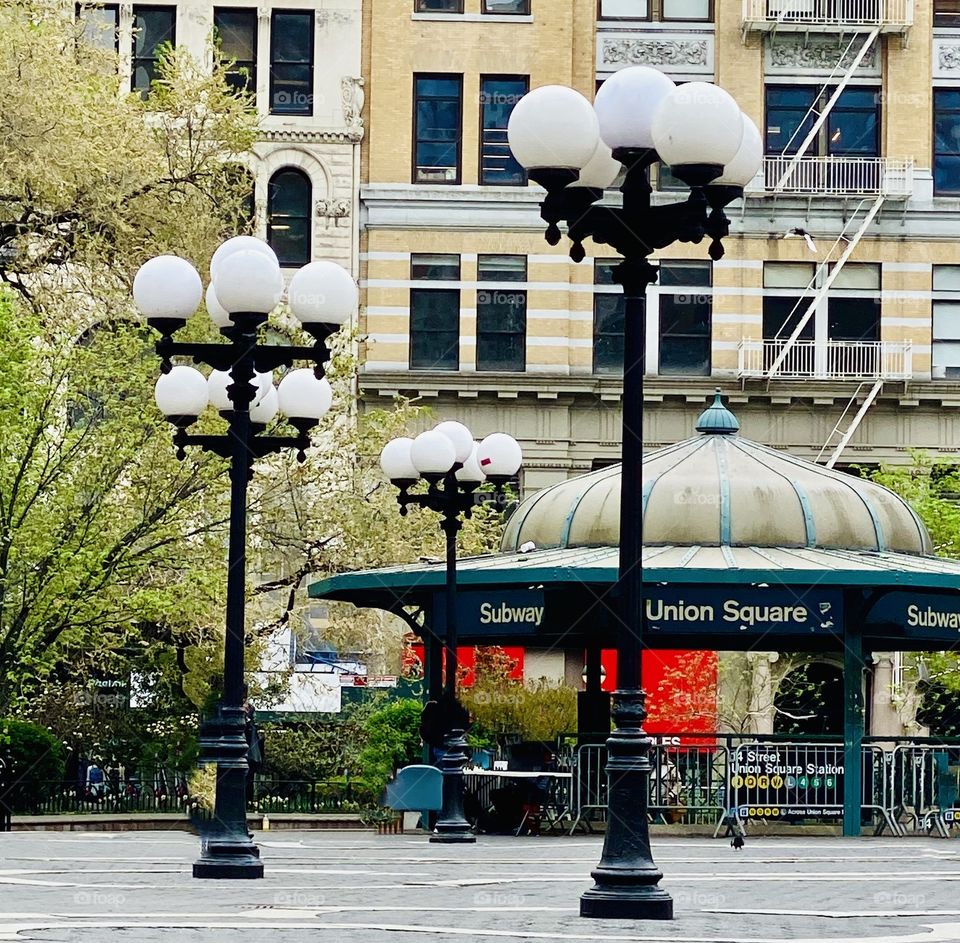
{"x":864,"y":20}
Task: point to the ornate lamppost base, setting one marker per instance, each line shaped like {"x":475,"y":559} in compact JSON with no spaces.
{"x":453,"y":838}
{"x":621,"y":903}
{"x":626,"y":879}
{"x":228,"y":866}
{"x":452,"y":826}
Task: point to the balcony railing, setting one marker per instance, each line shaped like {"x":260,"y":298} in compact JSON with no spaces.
{"x":838,"y":176}
{"x":831,"y":360}
{"x":828,"y":15}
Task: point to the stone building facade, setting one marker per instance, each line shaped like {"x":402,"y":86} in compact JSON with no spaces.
{"x":465,"y":306}
{"x":301,"y":60}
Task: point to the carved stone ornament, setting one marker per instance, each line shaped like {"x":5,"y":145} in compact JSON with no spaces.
{"x":949,"y":57}
{"x":675,"y":52}
{"x":817,"y":52}
{"x":351,"y":101}
{"x":333,"y":209}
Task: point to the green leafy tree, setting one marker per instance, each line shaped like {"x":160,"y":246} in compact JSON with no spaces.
{"x":502,"y":706}
{"x":93,"y":179}
{"x":392,"y":741}
{"x":32,"y":757}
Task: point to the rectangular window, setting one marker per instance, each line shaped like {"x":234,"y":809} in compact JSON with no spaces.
{"x":685,"y":318}
{"x":687,"y":10}
{"x":624,"y":10}
{"x":501,"y":313}
{"x":434,"y":314}
{"x":438,"y":6}
{"x":506,"y":7}
{"x":946,"y":322}
{"x":100,"y":26}
{"x":153,"y":28}
{"x":946,"y":141}
{"x":852,"y":127}
{"x":659,"y":10}
{"x":291,"y":62}
{"x":498,"y":95}
{"x":608,"y":318}
{"x":946,"y":12}
{"x":854,"y":321}
{"x":789,"y":118}
{"x":437,"y":119}
{"x":236,"y":32}
{"x":782,"y":313}
{"x":437,"y":268}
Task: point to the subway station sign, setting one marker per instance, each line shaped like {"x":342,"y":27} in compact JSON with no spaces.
{"x":787,"y":781}
{"x":749,"y":610}
{"x":511,"y":611}
{"x":921,"y":615}
{"x":669,"y":610}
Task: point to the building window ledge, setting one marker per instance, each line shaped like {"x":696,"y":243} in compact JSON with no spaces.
{"x":472,"y":17}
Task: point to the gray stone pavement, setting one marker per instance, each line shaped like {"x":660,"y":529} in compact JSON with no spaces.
{"x":361,"y":888}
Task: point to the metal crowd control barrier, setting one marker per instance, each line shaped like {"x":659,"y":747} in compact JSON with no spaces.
{"x":589,"y":790}
{"x":687,"y":781}
{"x":793,"y":781}
{"x":733,"y":779}
{"x":924,"y":784}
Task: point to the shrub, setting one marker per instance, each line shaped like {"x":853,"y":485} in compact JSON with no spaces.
{"x":32,"y":756}
{"x":393,"y":740}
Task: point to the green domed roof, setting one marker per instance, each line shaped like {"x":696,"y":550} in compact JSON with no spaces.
{"x":720,"y":489}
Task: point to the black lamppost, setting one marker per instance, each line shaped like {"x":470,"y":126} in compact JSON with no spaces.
{"x":246,"y":285}
{"x":575,"y":150}
{"x":454,"y":466}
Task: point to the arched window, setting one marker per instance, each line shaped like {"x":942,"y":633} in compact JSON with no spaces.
{"x":289,"y":200}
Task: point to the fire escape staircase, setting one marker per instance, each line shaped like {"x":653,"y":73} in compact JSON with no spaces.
{"x":853,"y":231}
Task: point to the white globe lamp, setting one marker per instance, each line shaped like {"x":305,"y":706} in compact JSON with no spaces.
{"x":181,"y":394}
{"x":248,"y":282}
{"x":303,"y":397}
{"x":471,"y":473}
{"x":553,"y":127}
{"x":240,"y":244}
{"x":600,"y":171}
{"x":697,"y":127}
{"x":433,"y":454}
{"x":499,"y":456}
{"x":397,"y":463}
{"x":626,"y":103}
{"x":460,"y":436}
{"x":218,"y":314}
{"x":266,"y":408}
{"x":322,"y":293}
{"x":748,"y":159}
{"x":167,"y":290}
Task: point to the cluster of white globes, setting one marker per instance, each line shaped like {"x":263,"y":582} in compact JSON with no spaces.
{"x":450,"y":445}
{"x":245,"y":280}
{"x":639,"y":108}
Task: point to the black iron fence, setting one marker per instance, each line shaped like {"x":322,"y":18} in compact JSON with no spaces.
{"x":170,"y":793}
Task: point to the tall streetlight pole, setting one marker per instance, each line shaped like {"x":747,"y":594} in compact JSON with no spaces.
{"x":575,"y":151}
{"x":454,"y":466}
{"x":246,"y":285}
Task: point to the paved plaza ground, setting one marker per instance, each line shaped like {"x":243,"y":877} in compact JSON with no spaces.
{"x":361,"y":888}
